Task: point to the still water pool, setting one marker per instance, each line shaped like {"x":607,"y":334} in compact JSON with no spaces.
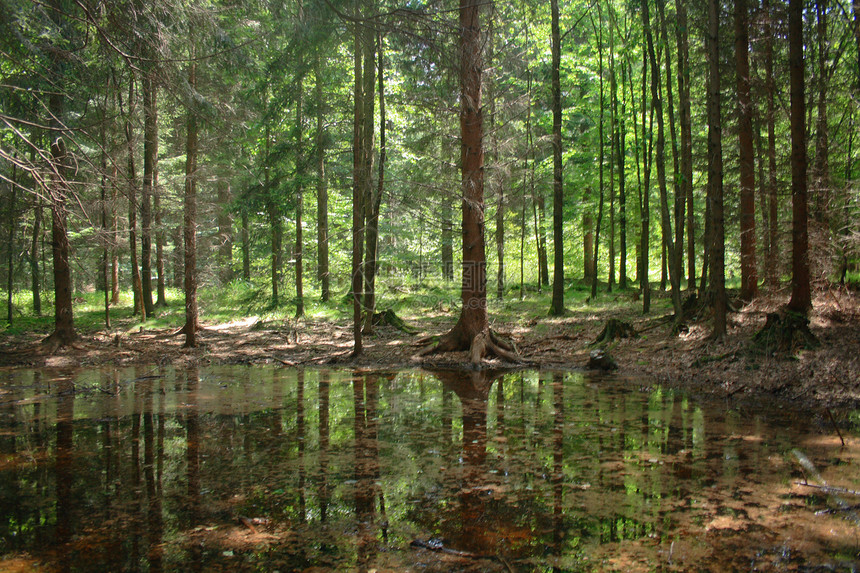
{"x":254,"y":469}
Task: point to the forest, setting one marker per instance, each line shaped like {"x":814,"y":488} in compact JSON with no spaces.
{"x":322,"y":164}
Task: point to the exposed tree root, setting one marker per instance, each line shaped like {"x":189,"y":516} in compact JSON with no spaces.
{"x":60,"y":338}
{"x":390,"y":318}
{"x":786,"y":333}
{"x":484,"y":343}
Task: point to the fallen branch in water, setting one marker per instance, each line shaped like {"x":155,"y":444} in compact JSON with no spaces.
{"x":829,"y":488}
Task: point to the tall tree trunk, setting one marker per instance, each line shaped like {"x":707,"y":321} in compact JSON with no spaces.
{"x":150,"y":177}
{"x":276,"y":223}
{"x":35,"y":284}
{"x":600,"y":160}
{"x":114,"y":255}
{"x":372,"y":244}
{"x":472,"y":330}
{"x":749,"y":275}
{"x":447,"y":242}
{"x":105,"y":236}
{"x":192,"y":324}
{"x":10,"y":285}
{"x":161,"y":300}
{"x":557,"y":305}
{"x":665,"y":217}
{"x":322,"y":188}
{"x":772,"y":259}
{"x":821,"y":167}
{"x":801,"y":295}
{"x":620,"y":153}
{"x":612,"y":134}
{"x":246,"y":246}
{"x":64,"y":328}
{"x":300,"y":192}
{"x":677,"y":262}
{"x":136,"y":284}
{"x":645,"y":190}
{"x":224,"y":221}
{"x":178,"y":257}
{"x":684,"y":111}
{"x":358,"y":166}
{"x":716,"y":233}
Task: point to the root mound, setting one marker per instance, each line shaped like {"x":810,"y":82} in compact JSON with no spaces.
{"x":785,"y":333}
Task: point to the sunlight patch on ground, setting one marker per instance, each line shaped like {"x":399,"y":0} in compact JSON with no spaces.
{"x":243,"y":323}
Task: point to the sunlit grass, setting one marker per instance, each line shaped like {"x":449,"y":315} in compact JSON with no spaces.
{"x":431,"y":300}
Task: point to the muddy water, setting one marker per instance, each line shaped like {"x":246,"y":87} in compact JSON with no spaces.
{"x":249,"y":469}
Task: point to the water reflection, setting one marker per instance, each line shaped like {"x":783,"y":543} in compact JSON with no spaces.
{"x":249,"y":469}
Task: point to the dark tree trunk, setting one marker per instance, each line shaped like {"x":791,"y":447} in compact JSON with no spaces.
{"x":473,"y":316}
{"x":620,"y":153}
{"x":682,"y":37}
{"x":716,"y":235}
{"x":13,"y":192}
{"x":645,"y":190}
{"x":557,"y":305}
{"x":600,"y":159}
{"x":772,"y":259}
{"x":64,"y":328}
{"x":372,"y":243}
{"x":105,"y":236}
{"x":150,"y":178}
{"x":178,"y":257}
{"x":610,"y":283}
{"x":358,"y":176}
{"x":35,"y":284}
{"x":821,"y":167}
{"x":136,"y":284}
{"x":276,"y":225}
{"x":472,"y":330}
{"x":677,"y":261}
{"x":801,"y":295}
{"x":246,"y":246}
{"x":300,"y":192}
{"x":447,"y":242}
{"x":587,"y":242}
{"x":749,"y":275}
{"x":225,"y":233}
{"x":114,"y":255}
{"x":322,"y":190}
{"x":665,"y":217}
{"x":192,"y":324}
{"x":161,"y":300}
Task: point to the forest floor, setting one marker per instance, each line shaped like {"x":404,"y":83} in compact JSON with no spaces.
{"x":826,"y":375}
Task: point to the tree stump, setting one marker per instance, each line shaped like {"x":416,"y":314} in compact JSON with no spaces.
{"x":390,"y":318}
{"x":785,"y":333}
{"x":614,"y":329}
{"x":599,"y":359}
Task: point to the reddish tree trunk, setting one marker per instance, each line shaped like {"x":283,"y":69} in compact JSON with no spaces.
{"x":771,"y":265}
{"x":190,"y":223}
{"x":557,"y":305}
{"x":801,"y":296}
{"x":749,"y":276}
{"x":473,"y":316}
{"x":150,"y":175}
{"x":716,"y":233}
{"x":64,"y":328}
